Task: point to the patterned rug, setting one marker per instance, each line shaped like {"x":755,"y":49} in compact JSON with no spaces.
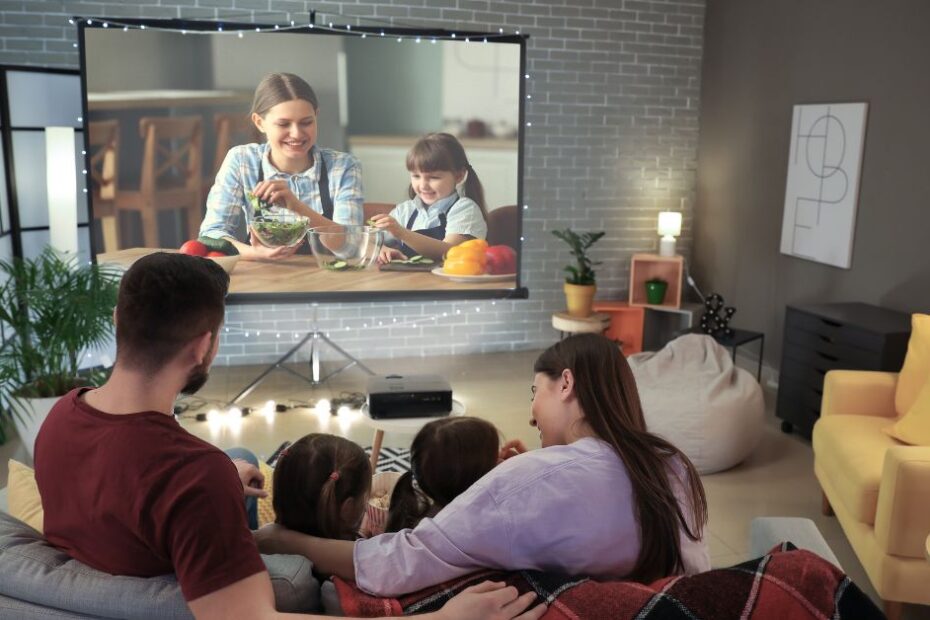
{"x":392,"y":459}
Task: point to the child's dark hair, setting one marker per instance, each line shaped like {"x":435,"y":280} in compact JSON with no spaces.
{"x":447,"y":456}
{"x":277,"y":88}
{"x":442,"y":152}
{"x":312,"y":480}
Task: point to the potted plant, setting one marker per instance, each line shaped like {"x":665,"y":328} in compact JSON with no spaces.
{"x":655,"y":291}
{"x":52,"y":310}
{"x":579,"y":283}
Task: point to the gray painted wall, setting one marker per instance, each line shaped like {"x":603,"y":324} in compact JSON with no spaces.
{"x":614,"y":113}
{"x":761,"y":58}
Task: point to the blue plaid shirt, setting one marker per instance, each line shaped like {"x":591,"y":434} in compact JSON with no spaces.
{"x":227,"y":202}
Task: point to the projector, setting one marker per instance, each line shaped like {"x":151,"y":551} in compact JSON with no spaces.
{"x":408,"y":396}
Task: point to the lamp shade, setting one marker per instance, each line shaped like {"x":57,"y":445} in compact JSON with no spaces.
{"x":61,"y":185}
{"x":669,"y":223}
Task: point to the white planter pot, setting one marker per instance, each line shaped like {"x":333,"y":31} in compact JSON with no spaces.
{"x":28,"y":418}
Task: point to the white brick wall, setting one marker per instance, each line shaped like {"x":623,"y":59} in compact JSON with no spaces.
{"x":615,"y":88}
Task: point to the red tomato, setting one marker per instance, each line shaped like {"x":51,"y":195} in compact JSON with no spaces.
{"x":214,"y":253}
{"x":501,"y":259}
{"x":194,"y":248}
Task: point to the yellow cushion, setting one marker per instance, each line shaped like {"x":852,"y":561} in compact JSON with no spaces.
{"x":265,"y":509}
{"x":852,"y":448}
{"x":23,"y":495}
{"x":916,"y":367}
{"x":914,"y":427}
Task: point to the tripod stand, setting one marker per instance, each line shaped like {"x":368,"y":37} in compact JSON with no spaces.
{"x":314,"y":379}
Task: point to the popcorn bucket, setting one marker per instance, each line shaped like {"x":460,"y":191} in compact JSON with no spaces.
{"x":382,"y":485}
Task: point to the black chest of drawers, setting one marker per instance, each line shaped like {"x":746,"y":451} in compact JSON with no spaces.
{"x":820,"y":338}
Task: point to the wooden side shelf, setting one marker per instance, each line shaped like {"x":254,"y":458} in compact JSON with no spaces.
{"x":626,"y":324}
{"x":644,"y":267}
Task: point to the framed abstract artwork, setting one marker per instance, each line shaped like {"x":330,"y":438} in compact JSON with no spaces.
{"x":822,"y":188}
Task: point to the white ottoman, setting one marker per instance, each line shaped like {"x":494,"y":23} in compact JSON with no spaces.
{"x":695,"y":397}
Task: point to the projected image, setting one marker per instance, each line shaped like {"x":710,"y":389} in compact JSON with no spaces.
{"x":324,"y":164}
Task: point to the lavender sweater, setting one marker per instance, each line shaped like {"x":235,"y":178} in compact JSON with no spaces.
{"x":565,"y":509}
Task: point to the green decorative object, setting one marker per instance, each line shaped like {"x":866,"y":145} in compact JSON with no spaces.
{"x":655,"y":291}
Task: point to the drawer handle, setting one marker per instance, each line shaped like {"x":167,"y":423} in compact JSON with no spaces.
{"x":826,"y":356}
{"x":831,"y":323}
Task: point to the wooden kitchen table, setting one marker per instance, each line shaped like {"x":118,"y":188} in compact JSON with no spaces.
{"x":300,"y":274}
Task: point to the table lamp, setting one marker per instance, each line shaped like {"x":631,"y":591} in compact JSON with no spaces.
{"x":669,"y":227}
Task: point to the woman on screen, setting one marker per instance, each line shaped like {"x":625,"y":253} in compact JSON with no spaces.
{"x":446,"y":206}
{"x":287,"y":171}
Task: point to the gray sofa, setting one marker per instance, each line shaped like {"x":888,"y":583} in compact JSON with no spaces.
{"x":39,"y":581}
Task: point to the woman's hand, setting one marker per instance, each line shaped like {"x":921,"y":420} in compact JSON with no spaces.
{"x":278,"y":192}
{"x":491,"y":600}
{"x":509,"y":449}
{"x":389,"y":254}
{"x":259,"y":251}
{"x":385,"y":222}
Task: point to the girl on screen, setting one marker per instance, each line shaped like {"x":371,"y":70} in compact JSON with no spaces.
{"x":446,"y":205}
{"x":287,"y":171}
{"x":604,"y":497}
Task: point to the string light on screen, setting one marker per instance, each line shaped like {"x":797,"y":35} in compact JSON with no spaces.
{"x":288,"y":24}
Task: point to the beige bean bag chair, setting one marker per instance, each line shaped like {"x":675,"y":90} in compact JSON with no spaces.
{"x":695,"y":397}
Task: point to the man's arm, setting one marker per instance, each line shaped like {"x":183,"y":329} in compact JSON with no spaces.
{"x":253,"y":598}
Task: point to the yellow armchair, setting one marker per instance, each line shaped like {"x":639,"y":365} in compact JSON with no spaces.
{"x":878,"y":488}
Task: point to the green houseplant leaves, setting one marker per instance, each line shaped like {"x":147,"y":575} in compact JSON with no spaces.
{"x":582,"y":272}
{"x":52,"y":310}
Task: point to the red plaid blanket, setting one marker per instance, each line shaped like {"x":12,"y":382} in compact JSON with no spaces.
{"x":786,"y":584}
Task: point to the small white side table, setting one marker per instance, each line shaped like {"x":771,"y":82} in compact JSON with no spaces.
{"x":401,"y":425}
{"x":594,"y":324}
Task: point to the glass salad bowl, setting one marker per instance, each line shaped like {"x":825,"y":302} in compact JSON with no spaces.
{"x":345,"y":247}
{"x":279,"y":228}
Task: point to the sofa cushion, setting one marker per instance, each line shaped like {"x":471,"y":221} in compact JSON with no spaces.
{"x":853,"y":446}
{"x":24,"y":500}
{"x":916,"y":367}
{"x":34,"y":572}
{"x":914,"y":427}
{"x":266,"y":504}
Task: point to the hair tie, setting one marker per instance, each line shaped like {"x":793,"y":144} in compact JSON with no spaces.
{"x":334,"y":475}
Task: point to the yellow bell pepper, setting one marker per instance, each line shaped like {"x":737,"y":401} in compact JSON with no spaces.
{"x":474,"y":243}
{"x":463,"y":267}
{"x":462,"y":252}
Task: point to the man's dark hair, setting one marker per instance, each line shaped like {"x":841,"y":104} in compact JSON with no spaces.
{"x":165,"y":301}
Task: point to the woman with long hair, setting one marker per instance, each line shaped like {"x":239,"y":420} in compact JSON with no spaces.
{"x":603,"y":497}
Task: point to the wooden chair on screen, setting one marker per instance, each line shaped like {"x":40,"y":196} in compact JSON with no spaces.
{"x":171,"y":174}
{"x":374,"y":208}
{"x":504,"y":226}
{"x":104,"y":166}
{"x":232,"y":128}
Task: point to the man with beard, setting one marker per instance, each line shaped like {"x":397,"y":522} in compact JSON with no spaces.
{"x":127,"y":491}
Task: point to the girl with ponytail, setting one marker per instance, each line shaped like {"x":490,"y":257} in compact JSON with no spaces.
{"x":447,"y":456}
{"x":321,"y":486}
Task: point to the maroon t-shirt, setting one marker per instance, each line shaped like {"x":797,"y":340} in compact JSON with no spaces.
{"x":138,"y":495}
